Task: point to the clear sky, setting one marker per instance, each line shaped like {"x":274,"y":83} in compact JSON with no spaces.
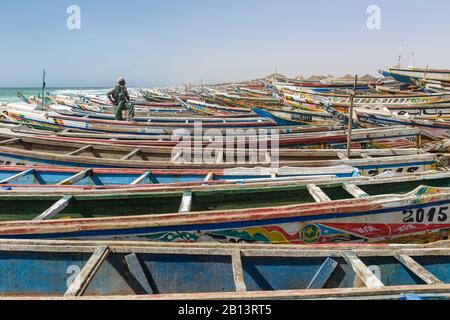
{"x":171,"y":42}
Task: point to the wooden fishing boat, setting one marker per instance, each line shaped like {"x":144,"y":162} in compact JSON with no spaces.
{"x":179,"y":117}
{"x":96,"y":270}
{"x":407,"y":74}
{"x":156,"y":97}
{"x":300,"y":86}
{"x":108,"y":198}
{"x":107,"y":112}
{"x":398,"y":102}
{"x":58,"y":121}
{"x":245,"y":102}
{"x":285,"y":116}
{"x":21,"y":177}
{"x":218,"y":108}
{"x":254,"y":92}
{"x":103,"y":102}
{"x":200,"y":107}
{"x":326,"y":137}
{"x":433,"y":128}
{"x":422,"y":110}
{"x":38,"y":151}
{"x":419,"y":216}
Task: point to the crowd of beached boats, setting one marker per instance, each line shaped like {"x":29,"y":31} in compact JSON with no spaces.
{"x":244,"y":166}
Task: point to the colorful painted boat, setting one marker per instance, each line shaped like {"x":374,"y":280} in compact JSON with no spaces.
{"x":433,"y":128}
{"x":245,"y":102}
{"x":59,"y":121}
{"x":71,"y":270}
{"x":317,"y":86}
{"x":403,"y":74}
{"x":38,"y":151}
{"x":20,"y":177}
{"x":398,"y":102}
{"x":419,"y":216}
{"x":108,"y":198}
{"x":284,"y":116}
{"x":371,"y":138}
{"x":103,"y":102}
{"x":179,"y":117}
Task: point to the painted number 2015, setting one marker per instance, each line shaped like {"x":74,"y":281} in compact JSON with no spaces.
{"x":422,"y":215}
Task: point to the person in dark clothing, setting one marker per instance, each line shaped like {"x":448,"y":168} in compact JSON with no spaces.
{"x":121,"y":100}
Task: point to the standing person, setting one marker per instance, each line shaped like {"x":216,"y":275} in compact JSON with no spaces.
{"x":121,"y":100}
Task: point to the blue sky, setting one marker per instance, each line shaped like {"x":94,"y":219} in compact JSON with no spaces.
{"x":171,"y":42}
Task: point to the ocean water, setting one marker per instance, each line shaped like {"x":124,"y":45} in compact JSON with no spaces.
{"x":10,"y":94}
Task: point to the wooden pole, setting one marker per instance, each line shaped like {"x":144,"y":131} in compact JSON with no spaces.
{"x":350,"y":119}
{"x":43,"y":89}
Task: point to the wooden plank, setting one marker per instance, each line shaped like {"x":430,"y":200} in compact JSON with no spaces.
{"x":417,"y":269}
{"x":268,"y":158}
{"x":81,"y":150}
{"x":209,"y":177}
{"x":354,"y":190}
{"x":153,"y":178}
{"x":86,"y":275}
{"x":75,"y":178}
{"x":17,"y":176}
{"x":238,"y":274}
{"x":131,"y":154}
{"x":342,"y":156}
{"x":317,"y":193}
{"x":219,"y":159}
{"x":362,"y":271}
{"x":142,"y":178}
{"x":137,"y":271}
{"x":177,"y":156}
{"x":323,"y":275}
{"x":56,"y":208}
{"x":186,"y":202}
{"x":11,"y":141}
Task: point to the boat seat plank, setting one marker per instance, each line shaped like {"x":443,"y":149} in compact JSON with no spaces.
{"x":141,"y":179}
{"x":238,"y":274}
{"x":354,"y":190}
{"x":138,"y":273}
{"x":317,"y":193}
{"x":342,"y":156}
{"x":209,"y":177}
{"x":362,"y":271}
{"x":17,"y":176}
{"x":365,"y":156}
{"x":323,"y":275}
{"x":268,"y":158}
{"x":219,"y":159}
{"x":417,"y":269}
{"x":81,"y":282}
{"x":131,"y":154}
{"x":11,"y":141}
{"x":177,"y":156}
{"x":81,"y":150}
{"x":186,"y":202}
{"x":56,"y":208}
{"x":75,"y":178}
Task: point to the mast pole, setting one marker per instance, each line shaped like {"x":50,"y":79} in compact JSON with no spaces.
{"x":43,"y":89}
{"x":350,"y":118}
